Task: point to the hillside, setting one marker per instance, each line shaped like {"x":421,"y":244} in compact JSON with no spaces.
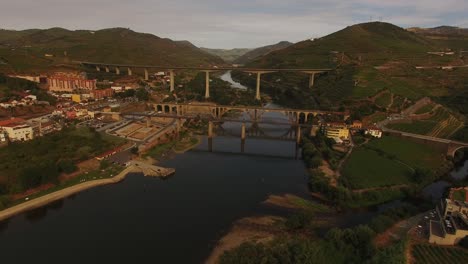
{"x":369,"y":58}
{"x":228,"y":55}
{"x":446,"y":37}
{"x":440,"y":31}
{"x":258,"y":52}
{"x":25,"y":50}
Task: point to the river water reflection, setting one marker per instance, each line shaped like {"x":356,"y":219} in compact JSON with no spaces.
{"x":144,"y":219}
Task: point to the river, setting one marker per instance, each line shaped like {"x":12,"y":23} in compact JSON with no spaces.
{"x":145,"y":219}
{"x":228,"y":78}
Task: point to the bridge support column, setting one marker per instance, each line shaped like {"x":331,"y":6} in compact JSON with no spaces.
{"x":259,"y":75}
{"x":207,"y":84}
{"x":171,"y":73}
{"x":312,"y":77}
{"x":210,"y":129}
{"x":243,"y":131}
{"x":298,"y":135}
{"x":117,"y":70}
{"x":257,"y":91}
{"x":129,"y":71}
{"x":107,"y":69}
{"x":98,"y":69}
{"x":148,"y":121}
{"x":311,"y":80}
{"x":146,"y":75}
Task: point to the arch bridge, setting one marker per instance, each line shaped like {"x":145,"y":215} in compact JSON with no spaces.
{"x":255,"y":112}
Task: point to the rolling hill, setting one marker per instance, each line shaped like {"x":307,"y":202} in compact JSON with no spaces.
{"x":228,"y":55}
{"x":258,"y":52}
{"x":368,"y":58}
{"x":25,"y":50}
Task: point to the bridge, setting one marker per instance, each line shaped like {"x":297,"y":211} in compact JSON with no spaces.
{"x":258,"y":71}
{"x":255,"y":112}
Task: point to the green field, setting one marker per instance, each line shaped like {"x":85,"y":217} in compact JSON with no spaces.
{"x":366,"y":169}
{"x":409,"y":152}
{"x":442,"y":124}
{"x":384,"y":100}
{"x":388,"y":161}
{"x":429,"y":254}
{"x":425,"y":109}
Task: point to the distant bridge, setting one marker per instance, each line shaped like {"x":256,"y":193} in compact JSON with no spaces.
{"x":259,"y":71}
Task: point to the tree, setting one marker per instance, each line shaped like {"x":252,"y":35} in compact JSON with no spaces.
{"x":66,"y":166}
{"x":142,"y":94}
{"x":104,"y":164}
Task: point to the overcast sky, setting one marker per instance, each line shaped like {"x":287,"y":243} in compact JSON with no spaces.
{"x":229,"y":23}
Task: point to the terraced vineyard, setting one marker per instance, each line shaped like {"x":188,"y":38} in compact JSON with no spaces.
{"x":442,"y":124}
{"x":428,"y":254}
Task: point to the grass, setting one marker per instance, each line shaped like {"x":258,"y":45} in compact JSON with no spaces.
{"x":425,"y":109}
{"x":89,"y":176}
{"x":410,"y":152}
{"x":442,"y":124}
{"x":459,"y":195}
{"x":366,"y":169}
{"x":388,"y":161}
{"x":158,"y":150}
{"x":311,"y":206}
{"x":377,"y":117}
{"x":384,"y":100}
{"x":416,"y":127}
{"x":430,"y":254}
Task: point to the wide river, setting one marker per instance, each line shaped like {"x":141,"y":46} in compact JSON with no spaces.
{"x":150,"y":220}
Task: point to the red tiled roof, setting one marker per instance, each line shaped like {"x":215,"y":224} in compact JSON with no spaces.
{"x":9,"y":122}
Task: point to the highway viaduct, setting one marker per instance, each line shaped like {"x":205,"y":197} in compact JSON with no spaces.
{"x":146,"y":68}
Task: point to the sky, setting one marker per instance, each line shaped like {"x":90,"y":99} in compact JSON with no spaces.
{"x":230,"y":23}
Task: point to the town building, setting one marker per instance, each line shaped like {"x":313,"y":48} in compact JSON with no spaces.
{"x":16,"y":129}
{"x":76,"y":98}
{"x":67,"y":84}
{"x":451,"y":224}
{"x":102,"y":93}
{"x":356,"y":125}
{"x":336,"y":131}
{"x":374,"y":131}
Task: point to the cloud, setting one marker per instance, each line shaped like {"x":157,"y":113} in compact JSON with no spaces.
{"x":227,"y":23}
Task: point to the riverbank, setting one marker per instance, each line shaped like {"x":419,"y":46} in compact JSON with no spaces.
{"x":250,"y":229}
{"x":136,"y":167}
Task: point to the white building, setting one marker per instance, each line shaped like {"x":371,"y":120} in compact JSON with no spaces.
{"x":16,"y":129}
{"x":375,"y":132}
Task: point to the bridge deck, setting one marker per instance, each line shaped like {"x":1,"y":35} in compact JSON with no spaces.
{"x":221,"y":68}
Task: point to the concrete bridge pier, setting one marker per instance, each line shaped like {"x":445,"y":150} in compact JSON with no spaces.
{"x":117,"y":70}
{"x":98,"y":68}
{"x":146,"y":75}
{"x":148,"y":121}
{"x":298,"y":135}
{"x":107,"y":69}
{"x":259,"y":75}
{"x":243,"y":131}
{"x":210,"y":129}
{"x":171,"y":73}
{"x":312,"y":77}
{"x":207,"y":84}
{"x":129,"y":71}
